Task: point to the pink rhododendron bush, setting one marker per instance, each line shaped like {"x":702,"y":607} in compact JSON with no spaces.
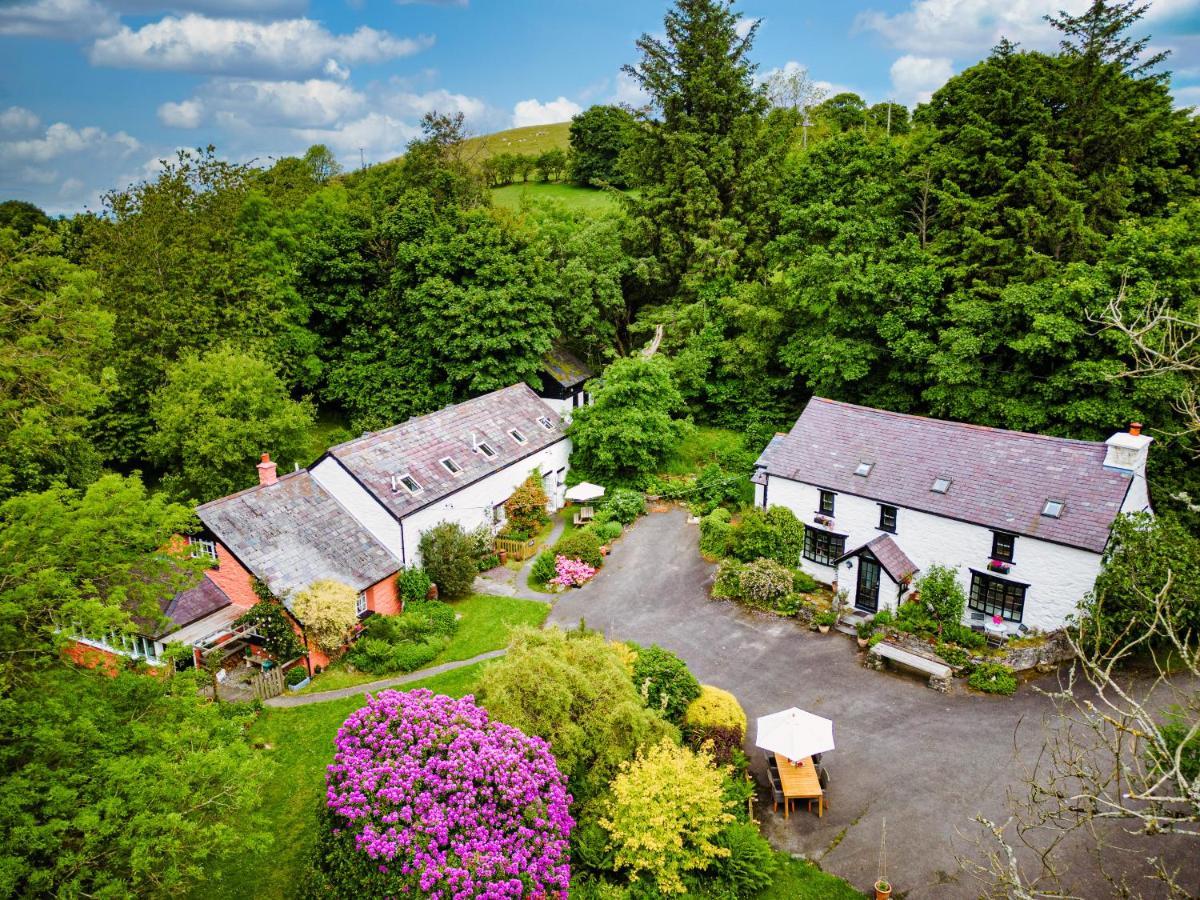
{"x":571,"y":572}
{"x":427,"y":797}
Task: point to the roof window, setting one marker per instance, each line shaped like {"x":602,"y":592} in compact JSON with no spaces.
{"x":1053,"y":509}
{"x":486,"y":449}
{"x":450,"y":466}
{"x":864,"y":469}
{"x":941,"y":484}
{"x":407,"y":482}
{"x":516,"y":435}
{"x":545,"y":422}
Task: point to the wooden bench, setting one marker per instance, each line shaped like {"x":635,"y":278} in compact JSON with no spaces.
{"x":939,"y":673}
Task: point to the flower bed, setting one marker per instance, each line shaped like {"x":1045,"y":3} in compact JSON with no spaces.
{"x":427,"y":795}
{"x":571,"y":572}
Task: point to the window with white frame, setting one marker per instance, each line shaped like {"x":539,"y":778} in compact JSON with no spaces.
{"x":516,"y":436}
{"x":545,"y":422}
{"x":360,"y":603}
{"x":202,"y":548}
{"x":451,"y":466}
{"x":407,"y":482}
{"x":486,"y":449}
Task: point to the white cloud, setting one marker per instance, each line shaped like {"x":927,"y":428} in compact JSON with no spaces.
{"x":60,"y":139}
{"x":333,"y":70}
{"x":406,"y":103}
{"x":195,"y":43}
{"x":63,"y":19}
{"x":915,"y":78}
{"x":217,"y":7}
{"x":184,"y":114}
{"x":629,"y":92}
{"x":534,"y":112}
{"x":249,"y":103}
{"x":743,"y":25}
{"x":17,"y":119}
{"x":379,"y":136}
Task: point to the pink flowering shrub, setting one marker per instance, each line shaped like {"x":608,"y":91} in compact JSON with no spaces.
{"x":571,"y":572}
{"x":441,"y":802}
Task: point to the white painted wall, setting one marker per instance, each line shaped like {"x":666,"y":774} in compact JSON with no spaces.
{"x":360,"y":503}
{"x":472,"y":506}
{"x":1058,"y":576}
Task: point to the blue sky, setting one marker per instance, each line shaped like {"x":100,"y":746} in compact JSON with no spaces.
{"x":94,"y":92}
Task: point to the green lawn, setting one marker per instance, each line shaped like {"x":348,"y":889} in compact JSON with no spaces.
{"x":800,"y":880}
{"x":300,"y":741}
{"x":572,"y":195}
{"x":701,"y":447}
{"x":532,"y":139}
{"x":485,"y":624}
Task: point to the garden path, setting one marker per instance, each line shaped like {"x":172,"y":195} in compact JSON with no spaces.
{"x":287,"y":700}
{"x":504,"y":582}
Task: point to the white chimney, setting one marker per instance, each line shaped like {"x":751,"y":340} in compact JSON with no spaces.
{"x":1127,"y":450}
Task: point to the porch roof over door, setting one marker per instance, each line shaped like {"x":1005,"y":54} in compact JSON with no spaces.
{"x":891,"y":558}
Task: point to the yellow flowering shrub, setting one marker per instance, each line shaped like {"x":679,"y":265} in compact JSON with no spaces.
{"x":328,"y":610}
{"x":715,"y":708}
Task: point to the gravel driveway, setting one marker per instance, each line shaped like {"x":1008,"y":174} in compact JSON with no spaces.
{"x":926,"y":762}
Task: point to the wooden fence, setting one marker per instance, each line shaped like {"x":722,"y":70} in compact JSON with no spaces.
{"x":519,"y":550}
{"x":268,"y":684}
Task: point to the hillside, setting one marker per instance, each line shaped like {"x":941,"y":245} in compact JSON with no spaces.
{"x":530,"y":140}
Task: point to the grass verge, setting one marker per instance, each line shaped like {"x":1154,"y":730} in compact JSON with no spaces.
{"x":485,"y":624}
{"x":573,"y":196}
{"x":796,"y":879}
{"x":300,"y":743}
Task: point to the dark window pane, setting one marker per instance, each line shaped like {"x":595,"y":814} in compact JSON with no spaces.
{"x":823,"y":547}
{"x":1002,"y":546}
{"x":997,"y":597}
{"x":887,"y":518}
{"x":827,"y":502}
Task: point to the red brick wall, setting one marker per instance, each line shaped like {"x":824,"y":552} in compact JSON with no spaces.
{"x":383,"y":599}
{"x":92,"y":658}
{"x":234,"y":580}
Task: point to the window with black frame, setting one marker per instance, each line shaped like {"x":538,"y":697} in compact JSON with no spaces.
{"x":823,"y":547}
{"x":1003,"y":546}
{"x":827,"y":499}
{"x":997,"y":597}
{"x":887,"y":518}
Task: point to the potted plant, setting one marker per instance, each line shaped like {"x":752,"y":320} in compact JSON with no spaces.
{"x":824,"y":620}
{"x":883,"y":889}
{"x":864,"y":629}
{"x":503,"y":554}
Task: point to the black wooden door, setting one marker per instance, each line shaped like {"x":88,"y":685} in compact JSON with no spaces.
{"x":866,"y":597}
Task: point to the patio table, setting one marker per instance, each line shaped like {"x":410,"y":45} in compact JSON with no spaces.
{"x":800,"y":783}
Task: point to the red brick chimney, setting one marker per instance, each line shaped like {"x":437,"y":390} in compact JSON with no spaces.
{"x":266,"y":470}
{"x":1135,"y":428}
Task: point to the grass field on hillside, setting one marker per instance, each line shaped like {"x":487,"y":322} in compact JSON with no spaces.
{"x":513,"y":196}
{"x":530,"y":140}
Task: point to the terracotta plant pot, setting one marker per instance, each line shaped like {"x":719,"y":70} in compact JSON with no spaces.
{"x":503,"y":554}
{"x":432,"y":593}
{"x":883,"y":890}
{"x":862,"y":643}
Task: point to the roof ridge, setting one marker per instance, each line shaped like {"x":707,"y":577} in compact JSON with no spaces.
{"x":244,"y":492}
{"x":971,"y":426}
{"x":435,"y":412}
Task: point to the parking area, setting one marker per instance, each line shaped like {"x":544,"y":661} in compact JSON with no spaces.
{"x":926,"y":762}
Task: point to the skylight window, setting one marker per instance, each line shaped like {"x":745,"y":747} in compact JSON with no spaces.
{"x":406,"y":481}
{"x":941,"y":485}
{"x":516,"y":435}
{"x":864,"y":469}
{"x":1053,"y":509}
{"x":450,"y":466}
{"x":486,"y":449}
{"x":545,"y":422}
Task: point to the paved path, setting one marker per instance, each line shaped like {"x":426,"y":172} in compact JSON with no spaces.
{"x":926,"y":762}
{"x":507,"y":583}
{"x":289,"y":699}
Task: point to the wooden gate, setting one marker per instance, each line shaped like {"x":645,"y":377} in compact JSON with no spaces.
{"x":519,"y":550}
{"x":268,"y":684}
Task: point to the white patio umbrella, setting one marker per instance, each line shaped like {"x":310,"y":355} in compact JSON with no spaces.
{"x":585,"y":491}
{"x":794,"y":733}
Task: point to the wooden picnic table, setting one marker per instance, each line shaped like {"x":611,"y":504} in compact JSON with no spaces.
{"x":800,"y":783}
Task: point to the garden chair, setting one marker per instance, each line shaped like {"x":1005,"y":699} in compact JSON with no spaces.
{"x":777,"y":792}
{"x":587,"y":513}
{"x":823,"y":780}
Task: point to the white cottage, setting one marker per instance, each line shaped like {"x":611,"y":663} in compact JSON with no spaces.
{"x":1023,"y":517}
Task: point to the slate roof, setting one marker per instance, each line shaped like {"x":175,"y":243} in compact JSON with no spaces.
{"x":565,"y":367}
{"x":192,"y":605}
{"x":416,"y":447}
{"x":894,"y":560}
{"x":294,"y":532}
{"x":999,"y":479}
